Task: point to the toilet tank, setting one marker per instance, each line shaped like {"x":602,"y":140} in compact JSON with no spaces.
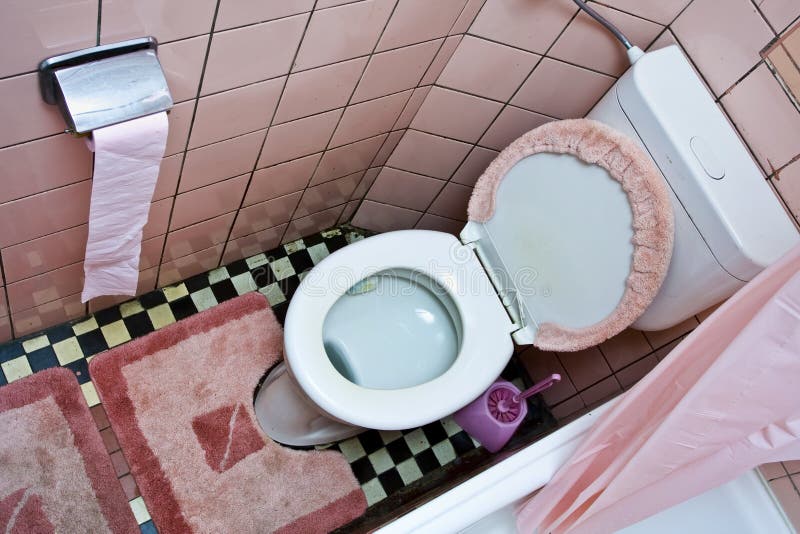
{"x":729,"y":225}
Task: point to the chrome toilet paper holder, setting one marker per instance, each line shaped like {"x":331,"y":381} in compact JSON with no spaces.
{"x":105,"y":85}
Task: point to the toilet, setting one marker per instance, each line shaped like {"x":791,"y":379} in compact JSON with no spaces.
{"x":560,"y":252}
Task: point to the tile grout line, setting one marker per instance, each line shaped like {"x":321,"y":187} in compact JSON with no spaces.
{"x":392,"y":130}
{"x":349,"y":100}
{"x":266,"y":135}
{"x":502,"y":109}
{"x":430,"y":86}
{"x":188,"y":136}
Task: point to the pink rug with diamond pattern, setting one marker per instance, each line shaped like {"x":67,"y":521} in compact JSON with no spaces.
{"x":55,"y":473}
{"x":180,"y":400}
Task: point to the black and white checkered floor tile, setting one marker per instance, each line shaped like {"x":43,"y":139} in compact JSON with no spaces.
{"x":384,"y":462}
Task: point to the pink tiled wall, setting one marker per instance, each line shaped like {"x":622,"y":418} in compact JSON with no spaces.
{"x":522,"y":63}
{"x":285,"y":111}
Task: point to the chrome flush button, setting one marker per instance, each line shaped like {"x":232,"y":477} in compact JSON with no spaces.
{"x":707,"y":159}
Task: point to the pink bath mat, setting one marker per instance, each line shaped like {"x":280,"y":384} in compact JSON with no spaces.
{"x":55,"y":473}
{"x":180,"y":400}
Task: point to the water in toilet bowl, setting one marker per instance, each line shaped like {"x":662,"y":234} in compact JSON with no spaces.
{"x":392,"y":330}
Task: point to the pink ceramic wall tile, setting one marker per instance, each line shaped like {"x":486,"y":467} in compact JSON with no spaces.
{"x":585,"y":367}
{"x":45,"y":253}
{"x":6,"y":333}
{"x":157,"y":219}
{"x":662,"y":11}
{"x":427,"y":154}
{"x":388,"y":147}
{"x":562,"y":90}
{"x":395,"y":70}
{"x":281,"y":179}
{"x":44,"y":213}
{"x":212,"y":163}
{"x":772,"y":470}
{"x":366,"y":182}
{"x":347,"y":159}
{"x":151,"y":252}
{"x":146,"y":283}
{"x":457,"y":115}
{"x":474,"y":165}
{"x":30,"y":117}
{"x":404,"y":189}
{"x":303,"y":95}
{"x":299,"y":138}
{"x":208,"y":202}
{"x":265,"y":215}
{"x":540,"y":365}
{"x":452,"y":202}
{"x":384,"y":218}
{"x":600,"y":392}
{"x":167,"y":20}
{"x":414,"y":21}
{"x":467,"y":16}
{"x":588,"y":44}
{"x":44,"y":164}
{"x":662,"y":337}
{"x":442,"y":58}
{"x":46,"y":287}
{"x":569,"y":409}
{"x":343,"y":32}
{"x":766,"y":118}
{"x":312,"y":224}
{"x":636,"y":371}
{"x":327,"y":195}
{"x":238,"y":57}
{"x":369,"y":118}
{"x":439,"y":224}
{"x":625,"y":348}
{"x":779,"y":13}
{"x":49,"y":314}
{"x":195,"y":263}
{"x":250,"y":245}
{"x":180,"y":120}
{"x":788,"y":185}
{"x":786,"y":493}
{"x":723,"y":43}
{"x":198,"y":236}
{"x":182,"y":62}
{"x":234,"y":13}
{"x":544,"y":21}
{"x":35,"y":29}
{"x":348,"y":212}
{"x":168,"y":175}
{"x":3,"y":303}
{"x":235,"y":112}
{"x":511,"y":124}
{"x":487,"y":69}
{"x":412,"y":107}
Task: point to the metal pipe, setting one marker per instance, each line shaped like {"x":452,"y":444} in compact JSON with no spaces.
{"x":602,"y":20}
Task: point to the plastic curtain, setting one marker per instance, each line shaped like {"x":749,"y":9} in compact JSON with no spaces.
{"x":725,"y":400}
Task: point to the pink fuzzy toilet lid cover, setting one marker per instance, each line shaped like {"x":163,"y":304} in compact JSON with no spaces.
{"x":652,"y":219}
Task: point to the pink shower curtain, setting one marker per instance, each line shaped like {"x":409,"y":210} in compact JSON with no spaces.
{"x":725,"y":400}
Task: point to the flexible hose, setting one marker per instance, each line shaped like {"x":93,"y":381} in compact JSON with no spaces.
{"x":602,"y":20}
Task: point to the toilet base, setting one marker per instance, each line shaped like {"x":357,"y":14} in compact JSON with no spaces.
{"x":288,"y":417}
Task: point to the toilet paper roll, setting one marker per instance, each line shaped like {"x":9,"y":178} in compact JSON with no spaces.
{"x":126,"y":162}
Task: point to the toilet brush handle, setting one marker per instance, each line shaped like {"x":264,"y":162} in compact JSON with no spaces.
{"x":539,"y":386}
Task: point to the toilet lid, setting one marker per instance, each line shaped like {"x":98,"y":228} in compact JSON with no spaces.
{"x":576,"y":222}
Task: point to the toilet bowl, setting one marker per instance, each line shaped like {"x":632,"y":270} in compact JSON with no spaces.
{"x":570,"y":240}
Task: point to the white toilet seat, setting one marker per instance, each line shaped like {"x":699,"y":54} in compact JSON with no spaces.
{"x":486,"y":344}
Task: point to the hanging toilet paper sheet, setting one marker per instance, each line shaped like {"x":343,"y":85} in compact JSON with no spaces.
{"x":126,"y":163}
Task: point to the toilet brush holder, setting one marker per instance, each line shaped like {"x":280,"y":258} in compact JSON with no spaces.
{"x":493,"y":417}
